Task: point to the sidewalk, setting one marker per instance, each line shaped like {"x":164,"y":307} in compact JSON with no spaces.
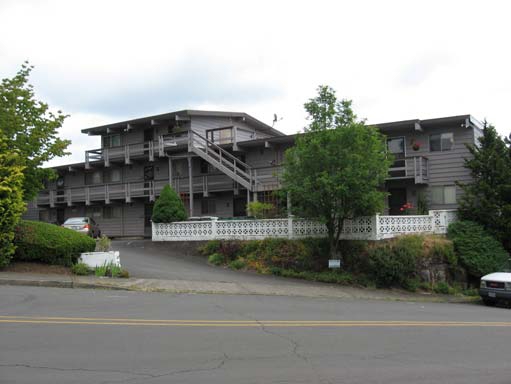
{"x":228,"y":288}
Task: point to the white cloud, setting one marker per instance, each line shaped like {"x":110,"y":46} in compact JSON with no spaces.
{"x":106,"y":60}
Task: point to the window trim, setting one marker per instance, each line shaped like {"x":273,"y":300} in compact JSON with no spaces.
{"x":441,"y":145}
{"x":443,"y":190}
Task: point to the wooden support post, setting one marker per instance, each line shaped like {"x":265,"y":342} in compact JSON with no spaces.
{"x":170,"y":172}
{"x":235,"y":138}
{"x":106,"y":157}
{"x":107,"y":194}
{"x":190,"y":184}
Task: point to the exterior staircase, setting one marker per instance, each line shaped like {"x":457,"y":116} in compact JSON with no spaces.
{"x":222,"y":160}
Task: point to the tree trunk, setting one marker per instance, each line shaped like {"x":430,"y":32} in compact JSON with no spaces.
{"x":332,"y":239}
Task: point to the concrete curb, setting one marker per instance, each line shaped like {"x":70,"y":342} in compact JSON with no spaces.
{"x":224,"y":288}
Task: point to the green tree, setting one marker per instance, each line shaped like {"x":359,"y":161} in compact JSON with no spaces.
{"x":487,"y":199}
{"x":30,"y":128}
{"x":337,"y":168}
{"x":11,"y":200}
{"x":168,"y":207}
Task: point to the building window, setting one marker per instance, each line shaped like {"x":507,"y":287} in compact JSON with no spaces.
{"x":443,"y":195}
{"x":112,"y":212}
{"x":441,"y":142}
{"x":112,"y":141}
{"x":95,"y":177}
{"x":208,"y":206}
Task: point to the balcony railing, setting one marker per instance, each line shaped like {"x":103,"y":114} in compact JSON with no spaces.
{"x":125,"y":153}
{"x":267,"y":178}
{"x":416,"y":168}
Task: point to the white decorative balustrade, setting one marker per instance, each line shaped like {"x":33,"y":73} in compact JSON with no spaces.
{"x":362,"y":228}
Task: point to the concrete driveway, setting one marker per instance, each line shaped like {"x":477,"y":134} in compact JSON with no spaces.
{"x":173,"y":261}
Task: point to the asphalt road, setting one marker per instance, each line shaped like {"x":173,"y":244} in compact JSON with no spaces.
{"x":51,"y":335}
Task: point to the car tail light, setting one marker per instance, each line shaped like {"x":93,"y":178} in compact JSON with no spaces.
{"x":86,"y":226}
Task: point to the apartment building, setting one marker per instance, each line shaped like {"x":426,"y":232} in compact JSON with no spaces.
{"x":219,"y":161}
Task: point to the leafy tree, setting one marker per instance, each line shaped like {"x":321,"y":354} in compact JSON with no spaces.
{"x":487,"y":200}
{"x":168,"y":207}
{"x":336,"y":169}
{"x":11,"y":200}
{"x":31,"y":129}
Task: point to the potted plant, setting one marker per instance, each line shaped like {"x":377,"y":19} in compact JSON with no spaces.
{"x":416,"y":145}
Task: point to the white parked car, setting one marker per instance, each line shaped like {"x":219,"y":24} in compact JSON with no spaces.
{"x":85,"y":225}
{"x":495,"y":287}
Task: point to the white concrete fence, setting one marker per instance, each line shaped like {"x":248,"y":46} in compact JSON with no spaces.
{"x":363,"y":228}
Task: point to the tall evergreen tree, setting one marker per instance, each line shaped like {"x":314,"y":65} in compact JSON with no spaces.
{"x":168,"y":207}
{"x":487,"y":200}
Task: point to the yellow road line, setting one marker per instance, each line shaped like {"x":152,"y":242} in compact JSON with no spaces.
{"x":259,"y":324}
{"x":242,"y":322}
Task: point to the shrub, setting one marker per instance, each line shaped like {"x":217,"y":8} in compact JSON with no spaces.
{"x":394,"y":263}
{"x":11,"y":201}
{"x":237,"y":264}
{"x":168,"y":207}
{"x":354,"y":254}
{"x":216,"y":259}
{"x":478,"y":252}
{"x":81,"y":269}
{"x":48,"y":243}
{"x":210,"y":247}
{"x":443,"y":288}
{"x":259,"y":210}
{"x":318,"y":253}
{"x":230,"y":249}
{"x":284,"y":253}
{"x":103,"y":244}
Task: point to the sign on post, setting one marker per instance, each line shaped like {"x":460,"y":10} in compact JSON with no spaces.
{"x":334,"y":263}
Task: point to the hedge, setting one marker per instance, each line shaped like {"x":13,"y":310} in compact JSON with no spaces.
{"x":47,"y":243}
{"x":478,"y":251}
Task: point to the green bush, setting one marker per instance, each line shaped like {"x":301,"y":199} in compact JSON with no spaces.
{"x":11,"y":201}
{"x":284,"y":253}
{"x":168,"y":207}
{"x":443,"y":288}
{"x":237,"y":264}
{"x":81,"y":269}
{"x":337,"y":277}
{"x":394,"y":263}
{"x":259,"y":210}
{"x":230,"y":249}
{"x":48,"y":243}
{"x":216,"y":259}
{"x":210,"y":247}
{"x":478,"y":252}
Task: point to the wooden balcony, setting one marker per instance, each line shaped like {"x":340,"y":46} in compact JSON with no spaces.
{"x":415,"y":168}
{"x":125,"y":154}
{"x":266,"y":178}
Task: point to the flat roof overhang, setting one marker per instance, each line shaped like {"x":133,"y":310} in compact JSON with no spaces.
{"x":183,"y":115}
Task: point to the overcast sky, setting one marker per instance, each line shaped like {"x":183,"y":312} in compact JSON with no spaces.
{"x":104,"y":61}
